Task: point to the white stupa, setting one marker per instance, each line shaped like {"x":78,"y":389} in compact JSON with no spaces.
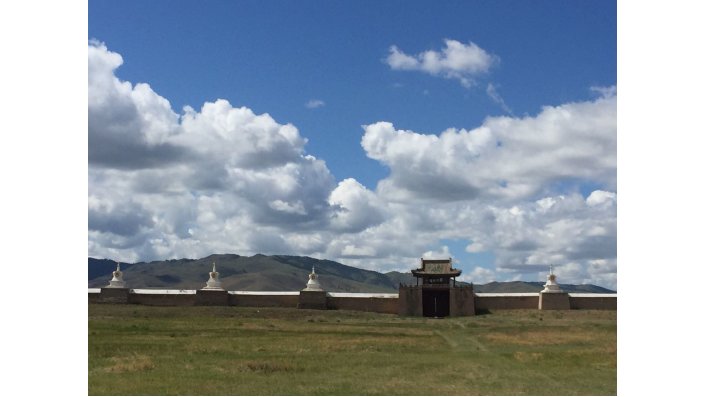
{"x":213,"y":282}
{"x":117,"y":281}
{"x":551,"y":285}
{"x":313,"y":284}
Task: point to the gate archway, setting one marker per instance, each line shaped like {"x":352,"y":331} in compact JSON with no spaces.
{"x":436,"y":302}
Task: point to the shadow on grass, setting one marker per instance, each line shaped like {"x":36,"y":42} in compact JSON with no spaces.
{"x":482,"y":312}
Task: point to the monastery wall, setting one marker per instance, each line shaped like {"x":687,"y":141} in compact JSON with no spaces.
{"x":407,"y":302}
{"x":593,"y":301}
{"x":263,"y":299}
{"x":506,"y":301}
{"x":434,"y":298}
{"x":379,"y":303}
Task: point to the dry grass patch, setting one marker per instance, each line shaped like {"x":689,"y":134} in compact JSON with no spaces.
{"x":342,"y":344}
{"x":207,"y":348}
{"x":266,"y":367}
{"x":256,"y":327}
{"x":528,"y":356}
{"x":337,"y":328}
{"x":542,"y":337}
{"x":131,"y":363}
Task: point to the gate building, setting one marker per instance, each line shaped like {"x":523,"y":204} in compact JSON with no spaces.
{"x":436,"y":293}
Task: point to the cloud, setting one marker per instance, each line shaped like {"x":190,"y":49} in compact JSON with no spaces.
{"x":352,"y":251}
{"x":505,"y":187}
{"x":315,"y":103}
{"x":607,"y":92}
{"x":358,"y":207}
{"x":456,"y":61}
{"x":122,"y":218}
{"x":128,"y":126}
{"x":600,"y":197}
{"x":505,"y":158}
{"x":496,"y":98}
{"x":223,"y":179}
{"x":441,"y":253}
{"x":239,"y":137}
{"x":478,"y":275}
{"x":525,"y":237}
{"x":162,"y":184}
{"x":569,"y":230}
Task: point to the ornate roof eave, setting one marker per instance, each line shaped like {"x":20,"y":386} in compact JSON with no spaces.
{"x":421,"y":273}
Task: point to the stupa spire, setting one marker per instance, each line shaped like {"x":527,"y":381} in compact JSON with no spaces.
{"x":313,"y":284}
{"x":117,"y":281}
{"x":213,"y":280}
{"x":551,"y":284}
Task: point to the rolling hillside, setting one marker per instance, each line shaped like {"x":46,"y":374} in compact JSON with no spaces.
{"x":535,"y":286}
{"x":255,"y":273}
{"x":277,"y":273}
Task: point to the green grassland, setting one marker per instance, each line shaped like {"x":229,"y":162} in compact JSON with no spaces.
{"x":143,"y":350}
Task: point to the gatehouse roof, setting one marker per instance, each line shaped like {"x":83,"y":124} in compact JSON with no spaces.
{"x":436,"y":268}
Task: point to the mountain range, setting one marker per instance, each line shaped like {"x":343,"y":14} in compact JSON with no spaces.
{"x":278,"y":273}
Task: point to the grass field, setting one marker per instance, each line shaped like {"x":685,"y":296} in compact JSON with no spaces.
{"x":142,"y":350}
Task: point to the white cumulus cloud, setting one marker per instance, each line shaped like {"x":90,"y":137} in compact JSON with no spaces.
{"x":504,"y":158}
{"x":164,"y":185}
{"x":456,"y":61}
{"x":478,"y":275}
{"x":358,"y":207}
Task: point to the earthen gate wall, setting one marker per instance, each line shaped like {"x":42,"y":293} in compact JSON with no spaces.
{"x":405,"y":303}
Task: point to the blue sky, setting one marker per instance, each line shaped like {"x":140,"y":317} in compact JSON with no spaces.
{"x":335,"y":57}
{"x":275,"y":56}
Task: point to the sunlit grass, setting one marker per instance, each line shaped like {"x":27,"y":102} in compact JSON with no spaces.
{"x":142,"y":350}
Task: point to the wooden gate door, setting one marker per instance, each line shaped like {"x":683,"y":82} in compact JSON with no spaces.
{"x":436,"y":302}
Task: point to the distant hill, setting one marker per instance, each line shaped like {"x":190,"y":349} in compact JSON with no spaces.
{"x":277,"y":273}
{"x":401,"y":278}
{"x":102,"y":267}
{"x":535,"y":286}
{"x":255,"y":273}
